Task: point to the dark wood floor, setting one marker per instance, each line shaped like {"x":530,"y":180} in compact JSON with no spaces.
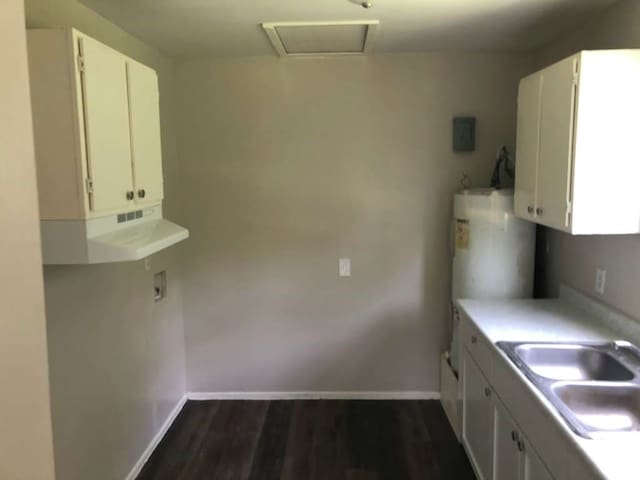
{"x":309,"y":440}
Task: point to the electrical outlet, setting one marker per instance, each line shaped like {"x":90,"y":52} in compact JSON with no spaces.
{"x":601,"y":277}
{"x":344,"y":267}
{"x":159,"y":286}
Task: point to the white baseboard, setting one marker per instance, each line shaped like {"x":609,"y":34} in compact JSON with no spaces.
{"x":137,"y":468}
{"x":333,"y":395}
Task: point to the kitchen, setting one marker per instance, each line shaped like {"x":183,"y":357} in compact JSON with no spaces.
{"x":278,"y":168}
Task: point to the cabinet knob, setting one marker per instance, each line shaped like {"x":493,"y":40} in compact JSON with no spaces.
{"x":521,"y":445}
{"x":141,"y":193}
{"x":474,"y":339}
{"x":514,"y":435}
{"x":130,"y":195}
{"x":487,"y":392}
{"x":530,"y":209}
{"x":539,"y":211}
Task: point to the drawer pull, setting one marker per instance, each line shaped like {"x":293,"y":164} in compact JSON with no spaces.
{"x":474,"y":339}
{"x":514,"y":435}
{"x":487,"y":392}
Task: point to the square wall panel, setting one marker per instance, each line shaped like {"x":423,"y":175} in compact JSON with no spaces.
{"x":321,"y":38}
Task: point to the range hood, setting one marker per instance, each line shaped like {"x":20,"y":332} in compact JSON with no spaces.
{"x":114,"y":238}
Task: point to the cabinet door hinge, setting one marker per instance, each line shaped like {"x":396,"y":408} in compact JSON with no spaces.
{"x":89,"y":184}
{"x":81,"y":63}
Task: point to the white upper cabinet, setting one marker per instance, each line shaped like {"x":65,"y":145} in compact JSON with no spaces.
{"x":528,"y":141}
{"x":106,"y":119}
{"x":145,"y":133}
{"x":96,"y":127}
{"x":557,"y":101}
{"x":577,"y":158}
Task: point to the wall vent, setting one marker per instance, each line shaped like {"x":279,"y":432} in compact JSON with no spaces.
{"x":305,"y":39}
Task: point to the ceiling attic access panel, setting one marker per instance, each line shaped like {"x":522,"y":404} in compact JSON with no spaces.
{"x":300,"y":39}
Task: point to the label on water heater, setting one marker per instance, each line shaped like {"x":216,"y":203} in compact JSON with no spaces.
{"x":462,"y":234}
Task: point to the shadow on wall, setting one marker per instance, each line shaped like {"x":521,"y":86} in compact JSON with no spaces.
{"x":279,"y":318}
{"x":354,"y":359}
{"x":292,"y":165}
{"x":573,"y":259}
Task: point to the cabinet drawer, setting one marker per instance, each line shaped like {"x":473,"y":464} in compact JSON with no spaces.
{"x":477,"y":347}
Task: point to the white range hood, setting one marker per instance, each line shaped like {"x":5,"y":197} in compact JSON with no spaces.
{"x":114,"y":238}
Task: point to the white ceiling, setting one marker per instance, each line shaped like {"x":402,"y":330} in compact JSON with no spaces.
{"x":232,"y":27}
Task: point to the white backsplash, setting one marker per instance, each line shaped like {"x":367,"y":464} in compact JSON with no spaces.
{"x":626,"y":327}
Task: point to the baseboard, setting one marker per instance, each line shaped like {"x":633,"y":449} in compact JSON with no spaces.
{"x":137,"y":468}
{"x":332,"y":395}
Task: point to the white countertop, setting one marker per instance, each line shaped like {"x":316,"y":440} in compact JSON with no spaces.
{"x":617,"y":457}
{"x":534,"y":320}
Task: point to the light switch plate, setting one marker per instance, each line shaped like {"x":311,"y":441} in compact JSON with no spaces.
{"x":344,"y":267}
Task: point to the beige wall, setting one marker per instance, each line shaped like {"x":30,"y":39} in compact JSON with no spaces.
{"x":289,"y":165}
{"x":573,"y":260}
{"x":26,"y":449}
{"x":116,"y":357}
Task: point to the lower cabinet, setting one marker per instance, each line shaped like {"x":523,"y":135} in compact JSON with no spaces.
{"x":513,"y":456}
{"x":506,"y":450}
{"x":477,"y":421}
{"x":532,"y":466}
{"x":496,"y":447}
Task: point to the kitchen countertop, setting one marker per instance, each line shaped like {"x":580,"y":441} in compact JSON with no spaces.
{"x":573,"y":318}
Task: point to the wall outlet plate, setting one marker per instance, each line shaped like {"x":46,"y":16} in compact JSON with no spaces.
{"x":159,"y":286}
{"x":601,"y":278}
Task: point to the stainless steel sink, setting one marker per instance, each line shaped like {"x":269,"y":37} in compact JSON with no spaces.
{"x":572,"y":362}
{"x":602,"y":408}
{"x":594,"y":386}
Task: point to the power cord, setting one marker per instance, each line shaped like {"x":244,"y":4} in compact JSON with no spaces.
{"x":503,"y":158}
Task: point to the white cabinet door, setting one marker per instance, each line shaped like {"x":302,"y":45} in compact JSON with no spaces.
{"x":146,"y":151}
{"x":556,"y":143}
{"x":532,"y":466}
{"x":106,"y":117}
{"x":506,"y":455}
{"x":527,"y":145}
{"x":477,"y":421}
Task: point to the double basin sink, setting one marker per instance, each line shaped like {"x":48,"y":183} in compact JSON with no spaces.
{"x":594,"y":386}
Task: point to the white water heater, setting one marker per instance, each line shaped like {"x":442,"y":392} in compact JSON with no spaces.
{"x":493,"y":251}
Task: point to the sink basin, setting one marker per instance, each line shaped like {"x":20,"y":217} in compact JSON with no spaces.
{"x":595,"y":387}
{"x":572,"y":362}
{"x":610,"y":408}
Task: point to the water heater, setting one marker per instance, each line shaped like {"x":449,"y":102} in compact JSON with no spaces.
{"x":493,"y":251}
